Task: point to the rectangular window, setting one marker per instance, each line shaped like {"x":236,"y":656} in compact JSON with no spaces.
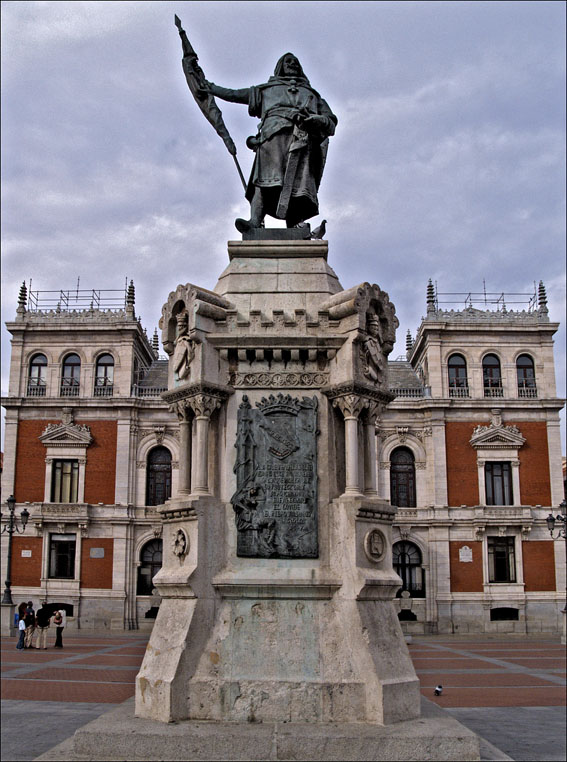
{"x":65,"y":481}
{"x":498,"y":480}
{"x":501,"y":559}
{"x":62,"y":556}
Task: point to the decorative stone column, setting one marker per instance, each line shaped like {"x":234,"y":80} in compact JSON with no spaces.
{"x":185,"y":416}
{"x":351,"y":405}
{"x":369,"y":424}
{"x":203,"y":405}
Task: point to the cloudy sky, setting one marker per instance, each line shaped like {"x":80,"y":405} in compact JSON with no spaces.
{"x":448,"y":162}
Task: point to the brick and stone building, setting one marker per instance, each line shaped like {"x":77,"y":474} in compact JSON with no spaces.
{"x":469,"y":451}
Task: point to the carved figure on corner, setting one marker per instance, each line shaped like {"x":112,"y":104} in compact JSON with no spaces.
{"x":374,"y":361}
{"x":184,"y":350}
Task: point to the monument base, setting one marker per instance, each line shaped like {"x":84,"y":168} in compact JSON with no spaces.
{"x":118,"y":735}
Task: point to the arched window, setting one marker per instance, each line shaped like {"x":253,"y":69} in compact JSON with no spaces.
{"x":158,"y":484}
{"x":526,"y":376}
{"x":491,"y":376}
{"x":104,"y":376}
{"x":458,"y":382}
{"x":71,"y":376}
{"x":402,"y":478}
{"x":150,"y":557}
{"x":406,"y":558}
{"x":37,"y":378}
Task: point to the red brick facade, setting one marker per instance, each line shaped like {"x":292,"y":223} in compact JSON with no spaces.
{"x":539,"y":565}
{"x":535,"y":485}
{"x":30,"y":462}
{"x":100,"y":474}
{"x":97,"y":572}
{"x":462,"y":471}
{"x":466,"y":577}
{"x":26,"y":570}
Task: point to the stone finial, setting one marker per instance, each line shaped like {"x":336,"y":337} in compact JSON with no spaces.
{"x":409,"y":342}
{"x":430,"y":297}
{"x":542,"y":299}
{"x":130,"y":299}
{"x":155,"y":342}
{"x":22,"y":299}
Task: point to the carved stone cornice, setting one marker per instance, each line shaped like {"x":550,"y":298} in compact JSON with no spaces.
{"x":190,"y":390}
{"x":268,"y":379}
{"x":359,"y":389}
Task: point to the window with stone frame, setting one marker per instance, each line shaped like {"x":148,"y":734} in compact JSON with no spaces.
{"x":37,"y":377}
{"x":492,"y":376}
{"x":151,"y":561}
{"x":62,"y":556}
{"x":104,"y":376}
{"x":158,"y":476}
{"x":501,"y":559}
{"x":457,"y":372}
{"x":70,"y":376}
{"x":402,"y":478}
{"x":525,"y":372}
{"x":407,"y":562}
{"x":498,"y":483}
{"x":65,"y":481}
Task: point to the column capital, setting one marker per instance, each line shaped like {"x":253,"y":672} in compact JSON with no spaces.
{"x":203,"y":405}
{"x":351,"y":405}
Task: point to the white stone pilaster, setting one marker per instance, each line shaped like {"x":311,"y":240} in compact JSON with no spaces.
{"x":122,"y":461}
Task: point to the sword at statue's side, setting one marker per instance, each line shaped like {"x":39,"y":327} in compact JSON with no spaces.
{"x":206,"y":102}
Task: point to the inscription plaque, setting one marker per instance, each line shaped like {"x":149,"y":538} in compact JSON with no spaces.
{"x":275,"y":503}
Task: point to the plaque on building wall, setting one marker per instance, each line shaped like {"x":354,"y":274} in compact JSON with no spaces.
{"x":26,"y":554}
{"x":275,"y":503}
{"x":97,"y":553}
{"x":465,"y":554}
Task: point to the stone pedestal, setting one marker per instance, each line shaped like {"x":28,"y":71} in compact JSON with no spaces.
{"x":277,"y":579}
{"x":7,"y":624}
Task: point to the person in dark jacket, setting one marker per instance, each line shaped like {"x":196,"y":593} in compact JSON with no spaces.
{"x":43,"y":618}
{"x":29,"y":619}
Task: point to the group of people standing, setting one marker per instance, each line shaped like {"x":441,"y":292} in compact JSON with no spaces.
{"x":29,"y":621}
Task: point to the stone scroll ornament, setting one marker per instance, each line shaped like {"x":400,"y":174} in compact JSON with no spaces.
{"x":275,"y":504}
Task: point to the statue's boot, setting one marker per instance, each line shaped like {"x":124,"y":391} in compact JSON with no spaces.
{"x":256,"y":214}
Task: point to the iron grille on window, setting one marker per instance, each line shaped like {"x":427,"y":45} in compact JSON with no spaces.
{"x":151,"y":560}
{"x":402,"y":478}
{"x":406,"y":558}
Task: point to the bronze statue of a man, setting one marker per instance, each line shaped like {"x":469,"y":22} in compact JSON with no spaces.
{"x":290,"y":147}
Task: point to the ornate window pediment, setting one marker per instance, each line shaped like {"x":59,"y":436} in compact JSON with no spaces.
{"x":67,"y":433}
{"x":497,"y":435}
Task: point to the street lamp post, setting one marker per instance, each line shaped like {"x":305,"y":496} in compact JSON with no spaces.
{"x":561,"y":520}
{"x":11,"y":527}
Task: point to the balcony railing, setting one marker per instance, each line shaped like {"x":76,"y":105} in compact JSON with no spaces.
{"x":69,"y":387}
{"x":459,"y":391}
{"x":36,"y":388}
{"x":104,"y":391}
{"x":147,"y":391}
{"x":493,"y":391}
{"x":525,"y":392}
{"x":407,"y":392}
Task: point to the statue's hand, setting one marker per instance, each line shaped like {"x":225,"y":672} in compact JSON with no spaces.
{"x":312,"y":124}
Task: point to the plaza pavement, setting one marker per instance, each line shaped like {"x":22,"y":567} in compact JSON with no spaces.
{"x":511,"y":691}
